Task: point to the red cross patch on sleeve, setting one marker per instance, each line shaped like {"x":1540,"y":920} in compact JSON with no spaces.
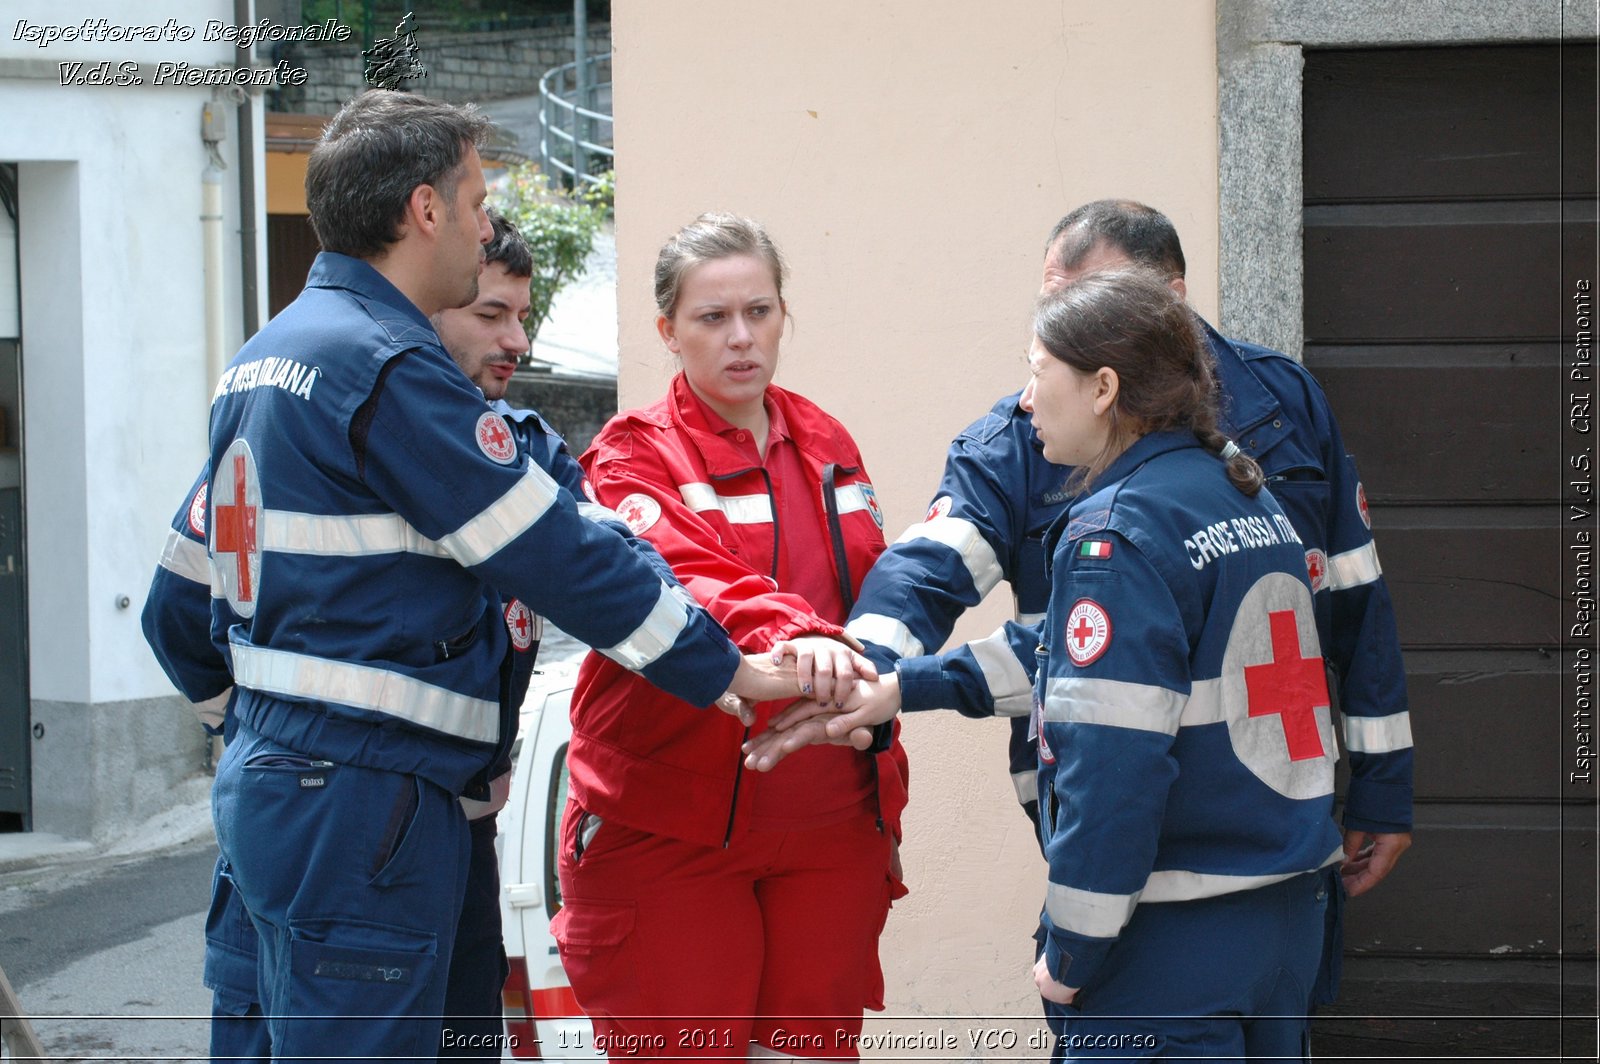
{"x":1088,"y":631}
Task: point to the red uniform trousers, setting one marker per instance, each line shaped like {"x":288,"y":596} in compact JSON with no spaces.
{"x":680,"y":950}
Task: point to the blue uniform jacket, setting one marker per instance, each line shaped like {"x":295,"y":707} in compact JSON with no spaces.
{"x":177,"y":612}
{"x":364,"y":503}
{"x":987,"y":523}
{"x":1185,"y":740}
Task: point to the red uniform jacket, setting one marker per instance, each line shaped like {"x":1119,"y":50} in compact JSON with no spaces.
{"x":638,"y":755}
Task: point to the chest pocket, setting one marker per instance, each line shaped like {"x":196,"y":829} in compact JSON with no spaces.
{"x":1305,"y":497}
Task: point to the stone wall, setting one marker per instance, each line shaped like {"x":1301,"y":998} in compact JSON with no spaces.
{"x":577,"y":409}
{"x":460,"y":67}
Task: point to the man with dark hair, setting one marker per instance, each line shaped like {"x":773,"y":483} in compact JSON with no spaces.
{"x":999,"y":494}
{"x":364,"y":506}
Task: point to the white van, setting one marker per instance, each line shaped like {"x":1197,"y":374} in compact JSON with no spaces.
{"x":543,"y":1021}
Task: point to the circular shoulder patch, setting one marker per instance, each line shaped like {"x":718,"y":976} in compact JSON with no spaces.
{"x":197,"y":511}
{"x":1361,"y":506}
{"x":1317,"y":568}
{"x":639,"y":512}
{"x":588,"y":491}
{"x":941,"y":507}
{"x":522,"y":623}
{"x":495,"y":439}
{"x":1088,"y":631}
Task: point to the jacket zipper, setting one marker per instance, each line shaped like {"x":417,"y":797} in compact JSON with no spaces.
{"x":738,"y":770}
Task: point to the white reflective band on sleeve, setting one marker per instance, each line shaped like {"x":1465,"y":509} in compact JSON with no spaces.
{"x":1178,"y":885}
{"x":345,"y":683}
{"x":1377,"y":735}
{"x":593,"y":511}
{"x":1119,"y":703}
{"x":964,"y":538}
{"x":655,"y":636}
{"x":1354,"y":567}
{"x":1026,"y":784}
{"x":851,"y":498}
{"x":295,"y":533}
{"x":506,"y":518}
{"x":1029,"y":620}
{"x":1009,"y":688}
{"x":1086,"y":913}
{"x":887,"y":632}
{"x":738,"y":509}
{"x":186,"y":558}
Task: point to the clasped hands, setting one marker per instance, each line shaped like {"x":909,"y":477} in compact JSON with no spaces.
{"x":841,"y":698}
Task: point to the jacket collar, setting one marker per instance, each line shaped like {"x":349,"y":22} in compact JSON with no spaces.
{"x":1245,"y":403}
{"x":333,"y":270}
{"x":712,"y":434}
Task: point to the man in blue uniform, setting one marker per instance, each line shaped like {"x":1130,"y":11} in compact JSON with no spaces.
{"x":987,"y":520}
{"x":483,"y":339}
{"x":363,"y":505}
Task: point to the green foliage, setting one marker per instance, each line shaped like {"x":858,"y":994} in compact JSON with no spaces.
{"x":601,"y":192}
{"x":560,"y":232}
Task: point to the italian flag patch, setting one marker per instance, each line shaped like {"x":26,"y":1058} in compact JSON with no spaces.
{"x":1094,"y":548}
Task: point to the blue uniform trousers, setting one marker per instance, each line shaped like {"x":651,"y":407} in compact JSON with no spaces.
{"x":354,"y":879}
{"x":238,"y":1030}
{"x":1224,"y":978}
{"x":478,"y":968}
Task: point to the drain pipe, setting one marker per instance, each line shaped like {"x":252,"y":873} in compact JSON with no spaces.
{"x":249,"y":260}
{"x":213,"y":130}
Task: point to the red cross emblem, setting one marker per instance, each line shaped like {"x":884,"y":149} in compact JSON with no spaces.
{"x":495,"y":439}
{"x":1361,"y":505}
{"x":873,"y":508}
{"x":1317,"y":569}
{"x":197,"y":511}
{"x":235,"y":526}
{"x":939,"y":507}
{"x":639,"y":512}
{"x":1291,"y":686}
{"x":1088,"y":631}
{"x":522,"y":624}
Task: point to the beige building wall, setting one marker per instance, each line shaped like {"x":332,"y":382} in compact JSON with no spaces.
{"x":910,"y":157}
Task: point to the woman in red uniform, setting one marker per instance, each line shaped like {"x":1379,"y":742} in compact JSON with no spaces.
{"x":692,"y":889}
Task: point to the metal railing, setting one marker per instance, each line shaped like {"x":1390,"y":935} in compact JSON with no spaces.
{"x":574,"y":136}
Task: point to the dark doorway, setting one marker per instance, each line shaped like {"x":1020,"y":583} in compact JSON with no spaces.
{"x":15,"y":786}
{"x":1449,"y":205}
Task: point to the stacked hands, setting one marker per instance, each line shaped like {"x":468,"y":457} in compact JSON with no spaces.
{"x":841,"y":697}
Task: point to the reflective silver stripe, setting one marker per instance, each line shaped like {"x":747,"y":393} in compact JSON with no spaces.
{"x":344,"y":536}
{"x":1119,"y":703}
{"x":887,"y":632}
{"x":738,"y":509}
{"x":1085,"y":912}
{"x":345,"y":683}
{"x":506,"y":518}
{"x":1009,"y":688}
{"x":186,"y":558}
{"x":1377,"y":735}
{"x":1029,"y":620}
{"x":1178,"y":885}
{"x":964,"y":538}
{"x":1354,"y":567}
{"x":1026,"y":784}
{"x":850,"y":498}
{"x":655,"y":636}
{"x":593,"y":511}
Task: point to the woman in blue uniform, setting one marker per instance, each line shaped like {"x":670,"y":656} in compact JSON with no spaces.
{"x":1186,"y":753}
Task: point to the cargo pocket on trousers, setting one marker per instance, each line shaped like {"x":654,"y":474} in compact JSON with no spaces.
{"x":590,"y":936}
{"x":373,"y":970}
